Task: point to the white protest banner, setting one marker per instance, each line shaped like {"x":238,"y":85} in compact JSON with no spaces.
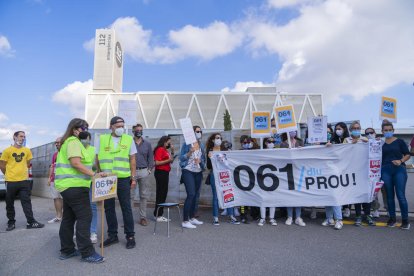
{"x":188,"y":132}
{"x":375,"y":160}
{"x":285,"y":119}
{"x":310,"y":176}
{"x":317,"y":129}
{"x":388,"y":109}
{"x":260,"y":124}
{"x":104,"y":187}
{"x":127,"y":110}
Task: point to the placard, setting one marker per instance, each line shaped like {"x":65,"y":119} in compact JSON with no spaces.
{"x":317,"y":129}
{"x":388,"y":109}
{"x":188,"y":132}
{"x":260,"y":124}
{"x":285,"y":119}
{"x":104,"y":187}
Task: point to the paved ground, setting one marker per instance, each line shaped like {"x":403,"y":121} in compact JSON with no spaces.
{"x":211,"y":250}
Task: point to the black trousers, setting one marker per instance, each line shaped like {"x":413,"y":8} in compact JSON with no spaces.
{"x":365,"y":206}
{"x":161,"y":180}
{"x":76,"y":208}
{"x":21,"y":188}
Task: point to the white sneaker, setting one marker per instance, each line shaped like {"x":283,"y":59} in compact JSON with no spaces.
{"x":94,"y":238}
{"x":55,"y":220}
{"x":347,"y":213}
{"x":195,"y":221}
{"x":299,"y":221}
{"x":375,"y":214}
{"x":313,"y":213}
{"x":338,"y":225}
{"x":236,"y":212}
{"x":273,"y":222}
{"x":162,"y":219}
{"x":224,"y":213}
{"x":188,"y":225}
{"x":289,"y":221}
{"x":328,"y":222}
{"x":261,"y":222}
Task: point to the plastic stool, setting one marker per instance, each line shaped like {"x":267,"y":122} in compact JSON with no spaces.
{"x":168,"y":205}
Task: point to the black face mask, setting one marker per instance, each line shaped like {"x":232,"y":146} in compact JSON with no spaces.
{"x":168,"y":146}
{"x":83,"y":135}
{"x":138,"y":134}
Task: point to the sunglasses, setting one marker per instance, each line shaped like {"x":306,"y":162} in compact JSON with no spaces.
{"x":84,"y":128}
{"x":199,"y":131}
{"x":368,"y":133}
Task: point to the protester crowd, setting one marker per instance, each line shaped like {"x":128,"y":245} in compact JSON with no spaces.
{"x":133,"y":160}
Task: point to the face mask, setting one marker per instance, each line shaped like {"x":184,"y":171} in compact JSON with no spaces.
{"x":250,"y":145}
{"x":217,"y":142}
{"x":371,"y":136}
{"x":329,"y":136}
{"x":138,"y":134}
{"x":198,"y":135}
{"x":292,"y":134}
{"x":339,"y":132}
{"x":356,"y":133}
{"x":270,"y":146}
{"x":119,"y":131}
{"x":245,"y":146}
{"x":388,"y":134}
{"x":168,"y":146}
{"x":85,"y":142}
{"x":19,"y":143}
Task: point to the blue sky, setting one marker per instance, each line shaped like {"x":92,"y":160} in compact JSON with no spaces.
{"x":351,"y":51}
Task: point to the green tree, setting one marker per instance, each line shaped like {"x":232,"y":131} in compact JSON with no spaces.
{"x":227,"y":121}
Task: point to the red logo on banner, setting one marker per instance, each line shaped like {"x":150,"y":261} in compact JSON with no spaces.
{"x":224,"y":177}
{"x":375,"y":166}
{"x":228,"y":195}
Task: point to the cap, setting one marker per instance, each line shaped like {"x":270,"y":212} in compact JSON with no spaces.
{"x":116,"y":119}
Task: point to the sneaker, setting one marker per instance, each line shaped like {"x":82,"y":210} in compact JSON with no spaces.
{"x":55,"y":220}
{"x":34,"y":225}
{"x":195,"y":221}
{"x":130,"y":243}
{"x":358,"y":221}
{"x":347,"y":213}
{"x":67,"y":256}
{"x":370,"y":221}
{"x":328,"y":222}
{"x":224,"y":213}
{"x":188,"y":225}
{"x":338,"y":225}
{"x":273,"y":222}
{"x":313,"y":214}
{"x":95,"y":258}
{"x":233,"y":220}
{"x":162,"y":219}
{"x":289,"y":221}
{"x":10,"y":227}
{"x":391,"y":222}
{"x":216,"y":222}
{"x":405,"y":225}
{"x":261,"y":222}
{"x":375,"y":214}
{"x":110,"y":241}
{"x":94,"y":238}
{"x":299,"y":221}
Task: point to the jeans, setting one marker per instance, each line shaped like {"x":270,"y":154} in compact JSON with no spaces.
{"x":192,"y":183}
{"x":124,"y":197}
{"x":230,"y":211}
{"x":143,"y":189}
{"x":272,"y":211}
{"x":76,"y":208}
{"x":395,"y":180}
{"x":94,"y":209}
{"x":333,"y":212}
{"x":298,"y":211}
{"x":23,"y":189}
{"x":161,"y":179}
{"x":365,"y":206}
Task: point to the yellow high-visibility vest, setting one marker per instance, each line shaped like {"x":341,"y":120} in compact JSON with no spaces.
{"x":115,"y":160}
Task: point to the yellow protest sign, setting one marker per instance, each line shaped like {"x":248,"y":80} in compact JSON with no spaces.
{"x":285,"y":119}
{"x":260,"y":124}
{"x":388,"y":109}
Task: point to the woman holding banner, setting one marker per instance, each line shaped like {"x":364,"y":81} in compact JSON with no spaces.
{"x":394,"y":174}
{"x":73,"y":177}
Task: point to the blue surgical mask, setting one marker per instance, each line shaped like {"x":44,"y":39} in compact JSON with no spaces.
{"x":356,"y":133}
{"x":245,"y":146}
{"x":388,"y":134}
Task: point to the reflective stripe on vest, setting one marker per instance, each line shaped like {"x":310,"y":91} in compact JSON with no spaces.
{"x":68,"y":177}
{"x":115,"y":160}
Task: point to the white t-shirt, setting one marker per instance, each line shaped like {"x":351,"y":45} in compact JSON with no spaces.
{"x":192,"y":166}
{"x":115,"y":140}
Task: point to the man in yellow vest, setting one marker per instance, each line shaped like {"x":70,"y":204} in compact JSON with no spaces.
{"x":116,"y":154}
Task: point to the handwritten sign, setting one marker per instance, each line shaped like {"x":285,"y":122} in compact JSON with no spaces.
{"x":260,"y":124}
{"x":285,"y":119}
{"x":104,"y":187}
{"x":317,"y":129}
{"x":188,"y":132}
{"x":388,"y":109}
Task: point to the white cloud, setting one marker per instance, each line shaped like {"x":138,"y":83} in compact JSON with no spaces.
{"x":288,"y":3}
{"x":74,"y":95}
{"x":5,"y":47}
{"x":3,"y":117}
{"x":241,"y":86}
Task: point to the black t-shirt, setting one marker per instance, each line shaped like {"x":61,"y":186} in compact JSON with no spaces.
{"x":394,"y":151}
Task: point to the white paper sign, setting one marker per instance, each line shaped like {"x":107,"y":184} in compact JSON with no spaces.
{"x":188,"y":132}
{"x":317,"y":129}
{"x":127,"y":110}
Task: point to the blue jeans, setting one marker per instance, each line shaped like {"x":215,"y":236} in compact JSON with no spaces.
{"x":192,"y":183}
{"x":298,"y":211}
{"x":333,"y":212}
{"x":395,"y":180}
{"x":230,"y":211}
{"x":94,"y":222}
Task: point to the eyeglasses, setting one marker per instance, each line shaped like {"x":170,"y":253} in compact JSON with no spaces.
{"x":84,"y":128}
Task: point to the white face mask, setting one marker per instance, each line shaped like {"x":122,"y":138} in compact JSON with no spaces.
{"x":119,"y":131}
{"x":371,"y":136}
{"x":217,"y":142}
{"x":270,"y":146}
{"x":198,"y":135}
{"x":339,"y":132}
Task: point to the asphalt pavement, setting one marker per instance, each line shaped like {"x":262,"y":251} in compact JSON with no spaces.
{"x":213,"y":250}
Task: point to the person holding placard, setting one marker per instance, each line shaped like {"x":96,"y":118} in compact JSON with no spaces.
{"x":116,"y":154}
{"x":73,"y":179}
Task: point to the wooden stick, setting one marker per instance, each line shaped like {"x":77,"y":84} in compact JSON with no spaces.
{"x":290,"y":142}
{"x":102,"y":227}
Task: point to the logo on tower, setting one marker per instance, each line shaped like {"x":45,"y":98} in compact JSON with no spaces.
{"x":118,"y":54}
